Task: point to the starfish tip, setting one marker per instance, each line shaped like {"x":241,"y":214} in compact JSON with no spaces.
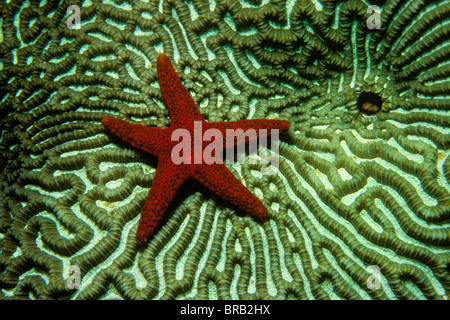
{"x":140,"y":238}
{"x":107,"y":121}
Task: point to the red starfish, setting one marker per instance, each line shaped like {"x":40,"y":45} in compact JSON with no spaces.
{"x":169,"y":175}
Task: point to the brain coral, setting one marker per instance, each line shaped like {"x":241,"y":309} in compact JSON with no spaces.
{"x":360,"y":206}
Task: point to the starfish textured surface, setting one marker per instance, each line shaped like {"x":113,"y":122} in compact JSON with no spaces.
{"x":159,"y":143}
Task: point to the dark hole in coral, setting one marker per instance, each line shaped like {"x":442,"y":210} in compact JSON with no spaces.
{"x":447,"y":267}
{"x":369,"y":103}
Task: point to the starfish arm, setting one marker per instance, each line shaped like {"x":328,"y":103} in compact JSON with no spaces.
{"x":256,"y":124}
{"x":148,"y":139}
{"x":223,"y":183}
{"x":168,"y":179}
{"x":178,"y":100}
